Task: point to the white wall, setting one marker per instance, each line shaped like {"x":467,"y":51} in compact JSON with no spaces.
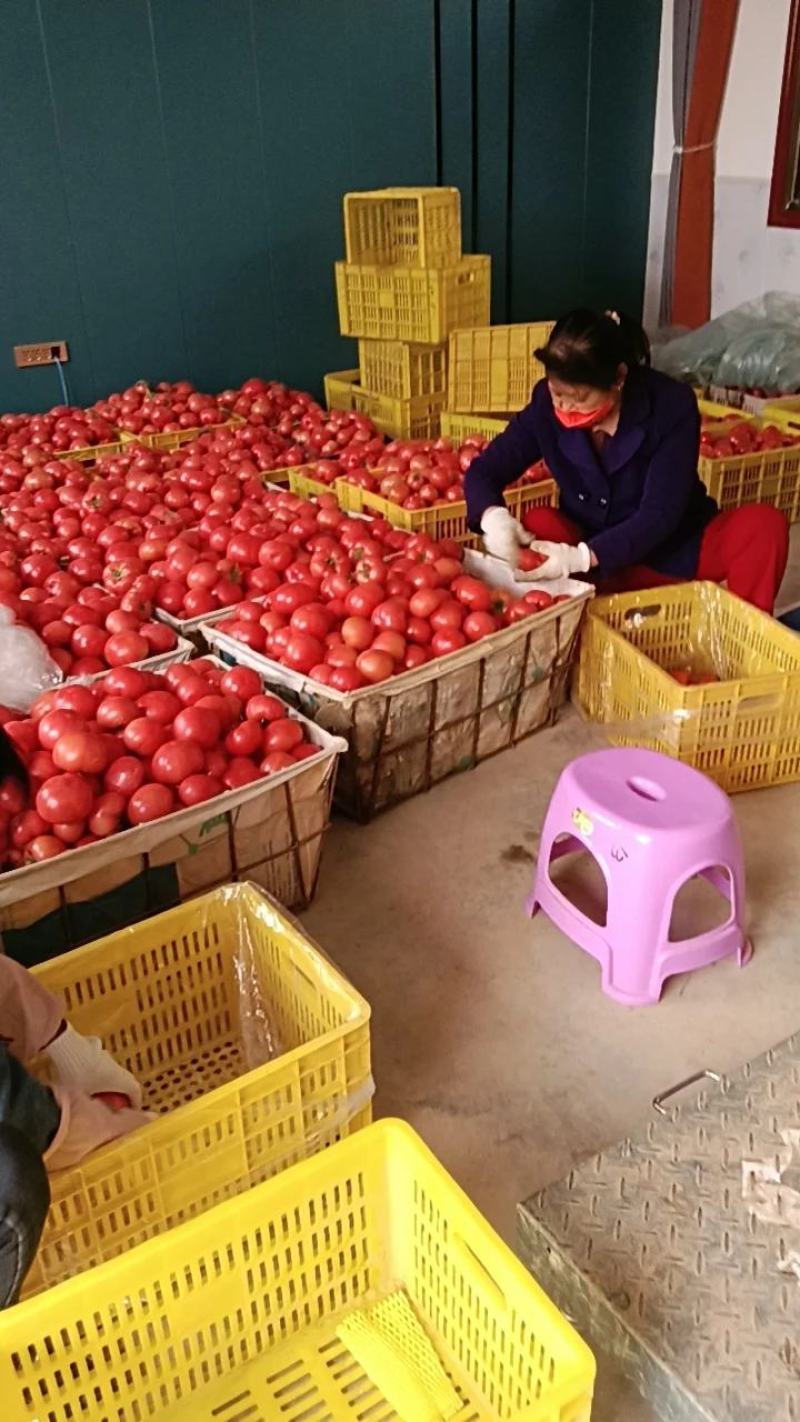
{"x":749,"y":257}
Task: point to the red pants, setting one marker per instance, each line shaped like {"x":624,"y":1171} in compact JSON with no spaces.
{"x":745,"y":548}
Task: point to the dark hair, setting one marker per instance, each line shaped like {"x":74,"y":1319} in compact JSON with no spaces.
{"x":587,"y":348}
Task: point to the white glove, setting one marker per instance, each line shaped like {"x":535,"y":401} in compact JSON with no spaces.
{"x":83,"y":1064}
{"x":562,"y":560}
{"x":503,"y":536}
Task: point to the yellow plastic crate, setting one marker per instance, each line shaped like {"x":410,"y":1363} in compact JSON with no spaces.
{"x":237,"y":1314}
{"x":166,"y":998}
{"x":408,"y":227}
{"x":765,"y":476}
{"x":744,"y":730}
{"x":783,"y":412}
{"x":339,"y":389}
{"x":460,"y":426}
{"x":417,"y":418}
{"x":89,"y":453}
{"x":410,"y":304}
{"x":303,"y":483}
{"x":495,"y":368}
{"x":441,"y":520}
{"x":402,"y":369}
{"x":168,"y":440}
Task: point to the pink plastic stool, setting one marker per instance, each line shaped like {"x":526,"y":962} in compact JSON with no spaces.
{"x":651,"y":824}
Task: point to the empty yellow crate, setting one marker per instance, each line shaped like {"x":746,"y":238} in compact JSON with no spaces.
{"x":402,"y":369}
{"x":408,"y":227}
{"x":765,"y":476}
{"x":339,"y":389}
{"x":411,"y":304}
{"x":235,"y":1315}
{"x":743,"y":730}
{"x":458,"y":427}
{"x":441,"y":520}
{"x":166,"y":998}
{"x":495,"y":368}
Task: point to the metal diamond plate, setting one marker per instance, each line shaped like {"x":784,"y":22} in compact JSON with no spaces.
{"x":679,"y":1262}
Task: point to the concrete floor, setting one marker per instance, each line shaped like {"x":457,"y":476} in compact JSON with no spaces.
{"x":490,"y":1033}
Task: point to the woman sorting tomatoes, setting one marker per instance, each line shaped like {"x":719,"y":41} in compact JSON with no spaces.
{"x":621,"y":441}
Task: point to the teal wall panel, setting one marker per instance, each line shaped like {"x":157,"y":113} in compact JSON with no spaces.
{"x":172,"y":201}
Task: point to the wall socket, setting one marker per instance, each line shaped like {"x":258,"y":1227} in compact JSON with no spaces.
{"x":43,"y":353}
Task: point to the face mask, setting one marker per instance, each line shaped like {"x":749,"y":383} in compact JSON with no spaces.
{"x":584,"y":419}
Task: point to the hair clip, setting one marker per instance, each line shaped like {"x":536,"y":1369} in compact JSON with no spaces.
{"x":613,"y":316}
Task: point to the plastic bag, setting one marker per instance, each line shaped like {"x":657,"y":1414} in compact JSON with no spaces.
{"x":26,"y":667}
{"x":756,"y":345}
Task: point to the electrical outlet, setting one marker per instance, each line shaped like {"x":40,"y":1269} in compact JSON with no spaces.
{"x":43,"y":353}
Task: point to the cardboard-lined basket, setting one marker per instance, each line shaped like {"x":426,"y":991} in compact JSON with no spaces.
{"x":269,"y":831}
{"x":415,"y":729}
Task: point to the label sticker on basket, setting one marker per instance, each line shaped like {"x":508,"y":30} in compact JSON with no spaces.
{"x":582,"y":822}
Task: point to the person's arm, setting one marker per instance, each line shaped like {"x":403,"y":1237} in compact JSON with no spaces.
{"x":508,"y":456}
{"x":665,"y":498}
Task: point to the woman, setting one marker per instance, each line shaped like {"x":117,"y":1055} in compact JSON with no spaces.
{"x":621,"y":441}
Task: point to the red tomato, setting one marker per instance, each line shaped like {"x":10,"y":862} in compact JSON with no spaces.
{"x":303,"y":652}
{"x":245,"y":739}
{"x":283,"y":735}
{"x":102,"y":822}
{"x":276,"y":760}
{"x":125,"y":648}
{"x":45,"y":846}
{"x":26,"y":826}
{"x":416,"y":656}
{"x":392,"y":643}
{"x":89,"y":641}
{"x":124,"y":775}
{"x":175,"y":760}
{"x":529,"y":560}
{"x":305,"y":751}
{"x":472,"y":593}
{"x":312,"y":618}
{"x":375,"y":666}
{"x":115,"y":712}
{"x":447,"y":614}
{"x":64,"y":798}
{"x":191,"y":689}
{"x":221,"y":707}
{"x":12,"y":796}
{"x":479,"y":624}
{"x":41,"y":766}
{"x":143,"y":736}
{"x":79,"y":699}
{"x":264,"y":708}
{"x":197,"y":724}
{"x":240,"y":772}
{"x":24,"y":735}
{"x":80,"y":750}
{"x":55,"y":724}
{"x":347,"y":678}
{"x":357,"y":632}
{"x":112,"y":802}
{"x":197,"y":788}
{"x":241,"y":682}
{"x":423,"y":602}
{"x":126,"y":681}
{"x":158,"y":636}
{"x":447,"y":639}
{"x":392,"y":614}
{"x":159,"y":706}
{"x":362,"y":601}
{"x":151,"y":802}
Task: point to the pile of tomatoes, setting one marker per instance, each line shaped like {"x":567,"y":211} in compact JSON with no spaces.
{"x":135,"y":746}
{"x":419,"y":473}
{"x":354,"y":602}
{"x":168,"y":407}
{"x":35,"y":438}
{"x":743,"y":437}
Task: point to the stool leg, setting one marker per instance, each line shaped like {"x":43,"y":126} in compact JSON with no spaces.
{"x":550,"y":849}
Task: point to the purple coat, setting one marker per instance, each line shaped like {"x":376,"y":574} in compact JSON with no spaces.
{"x":640,"y":501}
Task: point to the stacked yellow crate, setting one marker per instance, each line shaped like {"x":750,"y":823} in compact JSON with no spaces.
{"x":491,"y":372}
{"x":401,"y":291}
